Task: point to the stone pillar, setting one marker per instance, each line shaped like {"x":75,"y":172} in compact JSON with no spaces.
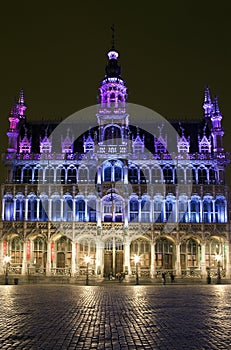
{"x":99,"y":258}
{"x":24,"y":260}
{"x":126,"y":203}
{"x":153,"y":256}
{"x":177,"y":264}
{"x":48,"y":264}
{"x":3,"y":209}
{"x":73,"y":259}
{"x":203,"y":263}
{"x":127,"y":266}
{"x":227,"y":267}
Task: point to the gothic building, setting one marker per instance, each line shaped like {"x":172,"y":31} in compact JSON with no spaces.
{"x":116,"y":192}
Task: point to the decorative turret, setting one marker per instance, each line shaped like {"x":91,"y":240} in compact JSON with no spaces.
{"x":160,"y":142}
{"x":67,"y":143}
{"x":46,"y":143}
{"x":21,"y":105}
{"x":207,"y":105}
{"x":25,"y":143}
{"x":138,"y":143}
{"x":204,"y":144}
{"x":217,"y":130}
{"x":183,"y":143}
{"x":88,"y":144}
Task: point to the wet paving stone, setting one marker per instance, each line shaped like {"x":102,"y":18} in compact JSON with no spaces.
{"x":117,"y":317}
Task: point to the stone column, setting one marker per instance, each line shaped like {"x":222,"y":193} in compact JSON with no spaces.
{"x":24,"y":260}
{"x":127,"y":266}
{"x":177,"y":264}
{"x":203,"y":263}
{"x":153,"y":266}
{"x":228,"y":274}
{"x":99,"y":258}
{"x":73,"y":259}
{"x":48,"y":264}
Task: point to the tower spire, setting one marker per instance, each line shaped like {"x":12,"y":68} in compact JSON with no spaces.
{"x":113,"y":36}
{"x":207,"y":105}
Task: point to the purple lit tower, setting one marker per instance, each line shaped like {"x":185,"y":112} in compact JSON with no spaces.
{"x":57,"y":209}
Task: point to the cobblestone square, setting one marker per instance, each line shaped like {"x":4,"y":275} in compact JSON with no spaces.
{"x":115,"y":317}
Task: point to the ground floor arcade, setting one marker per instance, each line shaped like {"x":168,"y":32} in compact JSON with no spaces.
{"x":113,"y":251}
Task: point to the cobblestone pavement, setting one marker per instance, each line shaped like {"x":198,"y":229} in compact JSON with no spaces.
{"x":115,"y":317}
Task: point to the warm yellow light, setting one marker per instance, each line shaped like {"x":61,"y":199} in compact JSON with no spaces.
{"x":218,"y":257}
{"x":87,"y":259}
{"x":6,"y":259}
{"x":136,"y":258}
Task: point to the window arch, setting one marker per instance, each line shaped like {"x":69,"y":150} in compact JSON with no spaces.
{"x":68,"y":207}
{"x":16,"y":250}
{"x":20,"y":207}
{"x":195,"y":209}
{"x":60,"y":175}
{"x":156,"y":174}
{"x":9,"y":207}
{"x":43,"y":207}
{"x":91,"y":209}
{"x":183,"y":209}
{"x":144,"y":175}
{"x":164,"y":253}
{"x":158,"y":209}
{"x":190,"y":174}
{"x":82,"y":174}
{"x":220,"y":209}
{"x":168,"y":175}
{"x":38,"y":174}
{"x":145,"y":209}
{"x":202,"y":175}
{"x":71,"y":175}
{"x":134,"y":209}
{"x":207,"y":209}
{"x":80,"y":209}
{"x":27,"y":175}
{"x":170,"y":208}
{"x":56,"y":207}
{"x":32,"y":207}
{"x":133,"y":175}
{"x":113,"y":208}
{"x":49,"y":175}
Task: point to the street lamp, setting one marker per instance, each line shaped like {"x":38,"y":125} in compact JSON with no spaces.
{"x":218,"y":259}
{"x":137,"y":259}
{"x":87,"y":260}
{"x":6,"y":261}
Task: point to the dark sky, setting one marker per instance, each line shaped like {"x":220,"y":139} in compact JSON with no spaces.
{"x":169,"y":51}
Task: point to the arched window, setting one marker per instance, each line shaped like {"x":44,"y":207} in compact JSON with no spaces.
{"x":194,"y":209}
{"x":71,"y":175}
{"x":170,"y":209}
{"x":190,"y":174}
{"x":133,"y":175}
{"x":212,"y":176}
{"x":39,"y":252}
{"x":9,"y":207}
{"x":145,"y":209}
{"x":56,"y":208}
{"x":82,"y":174}
{"x":32,"y":207}
{"x":158,"y":209}
{"x":207,"y":209}
{"x":80,"y":209}
{"x":144,"y":175}
{"x":91,"y":209}
{"x":16,"y":250}
{"x":156,"y":175}
{"x":49,"y":175}
{"x":202,"y":175}
{"x":108,"y":173}
{"x":179,"y":175}
{"x":112,"y":134}
{"x":118,"y":173}
{"x":168,"y":176}
{"x":27,"y":175}
{"x":17,"y":174}
{"x":134,"y":209}
{"x":60,"y":175}
{"x":43,"y":207}
{"x":20,"y":207}
{"x":63,"y":250}
{"x":38,"y":174}
{"x":192,"y":253}
{"x":220,"y":209}
{"x":112,"y":208}
{"x":183,"y":209}
{"x":164,"y":254}
{"x":68,"y":207}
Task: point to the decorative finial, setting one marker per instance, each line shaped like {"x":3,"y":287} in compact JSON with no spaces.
{"x":113,"y":36}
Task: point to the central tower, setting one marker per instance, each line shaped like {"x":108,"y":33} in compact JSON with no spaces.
{"x":112,"y":117}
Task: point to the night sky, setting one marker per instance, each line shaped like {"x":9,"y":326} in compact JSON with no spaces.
{"x":169,"y":52}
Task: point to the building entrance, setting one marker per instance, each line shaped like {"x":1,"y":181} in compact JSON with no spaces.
{"x":113,"y":256}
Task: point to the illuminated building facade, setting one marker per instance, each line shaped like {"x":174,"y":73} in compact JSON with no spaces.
{"x":116,"y":192}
